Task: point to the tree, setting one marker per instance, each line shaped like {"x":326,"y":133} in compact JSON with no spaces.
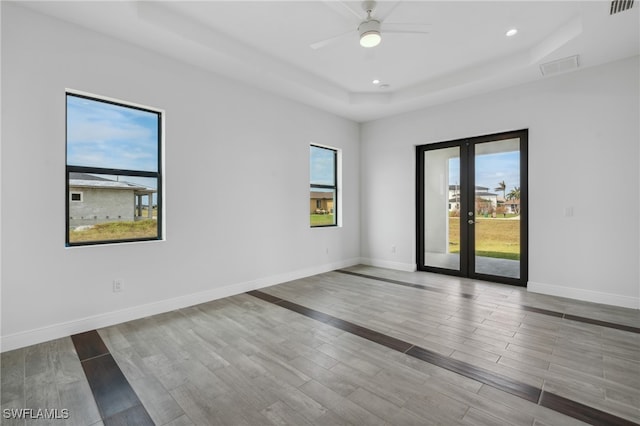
{"x":502,"y":186}
{"x":514,"y":194}
{"x":483,"y":206}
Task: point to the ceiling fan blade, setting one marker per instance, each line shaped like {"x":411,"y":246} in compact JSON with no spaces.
{"x":405,"y":28}
{"x":406,"y":32}
{"x":322,"y":43}
{"x":344,"y":9}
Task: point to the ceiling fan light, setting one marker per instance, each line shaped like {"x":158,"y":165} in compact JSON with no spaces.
{"x":370,"y":39}
{"x":370,"y":33}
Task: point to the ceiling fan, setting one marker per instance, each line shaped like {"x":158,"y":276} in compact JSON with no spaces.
{"x":370,"y":29}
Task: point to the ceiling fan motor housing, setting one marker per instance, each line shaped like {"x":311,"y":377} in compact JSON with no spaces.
{"x":369,"y":33}
{"x":369,"y":26}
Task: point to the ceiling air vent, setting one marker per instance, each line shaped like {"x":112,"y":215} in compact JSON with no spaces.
{"x":559,"y":66}
{"x":618,"y":6}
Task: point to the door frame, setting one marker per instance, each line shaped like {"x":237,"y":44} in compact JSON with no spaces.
{"x":467,"y":173}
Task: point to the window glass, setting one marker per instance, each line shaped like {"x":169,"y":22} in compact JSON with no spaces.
{"x":113,"y":172}
{"x":323,"y":188}
{"x":107,"y":135}
{"x":323,"y":166}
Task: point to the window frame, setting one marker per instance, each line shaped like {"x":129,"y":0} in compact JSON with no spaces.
{"x":158,"y":175}
{"x":334,"y":187}
{"x":71,"y":194}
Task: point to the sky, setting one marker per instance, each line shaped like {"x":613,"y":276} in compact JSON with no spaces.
{"x":104,"y":135}
{"x":322,"y":166}
{"x":491,"y":169}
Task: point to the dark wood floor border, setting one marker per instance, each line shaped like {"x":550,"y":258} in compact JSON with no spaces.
{"x":407,"y":284}
{"x":352,"y":328}
{"x":542,"y":311}
{"x":117,"y":402}
{"x":264,"y":296}
{"x":366,"y":333}
{"x":89,"y":345}
{"x":505,"y":384}
{"x":570,"y":317}
{"x":522,"y":390}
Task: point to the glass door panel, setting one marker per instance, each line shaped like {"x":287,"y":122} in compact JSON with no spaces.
{"x":471,"y":207}
{"x":496,"y":199}
{"x":442,"y":206}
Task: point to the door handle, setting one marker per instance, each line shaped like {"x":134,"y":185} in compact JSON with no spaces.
{"x":470,"y":222}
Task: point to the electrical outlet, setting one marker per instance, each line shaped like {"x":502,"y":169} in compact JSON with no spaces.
{"x":118,"y":286}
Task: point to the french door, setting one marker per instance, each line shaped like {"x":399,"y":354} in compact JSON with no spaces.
{"x":472,"y":207}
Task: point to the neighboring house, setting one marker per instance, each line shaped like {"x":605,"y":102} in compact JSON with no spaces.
{"x":512,"y":206}
{"x":321,"y":202}
{"x":94,"y":199}
{"x":486,"y":200}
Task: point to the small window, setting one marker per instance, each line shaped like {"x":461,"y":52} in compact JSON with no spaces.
{"x":324,"y":186}
{"x":113,"y":155}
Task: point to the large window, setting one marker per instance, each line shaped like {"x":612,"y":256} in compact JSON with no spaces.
{"x":324,"y":186}
{"x":113,"y":172}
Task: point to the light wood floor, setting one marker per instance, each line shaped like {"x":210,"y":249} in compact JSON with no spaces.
{"x":246,"y":361}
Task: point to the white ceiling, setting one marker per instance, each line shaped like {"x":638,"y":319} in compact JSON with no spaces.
{"x":266,"y":44}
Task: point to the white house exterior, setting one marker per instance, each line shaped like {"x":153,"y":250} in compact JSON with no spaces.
{"x":94,"y":200}
{"x":512,"y":206}
{"x":482,"y":193}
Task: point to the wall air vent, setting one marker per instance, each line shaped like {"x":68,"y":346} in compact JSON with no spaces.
{"x":560,"y":66}
{"x":618,"y":6}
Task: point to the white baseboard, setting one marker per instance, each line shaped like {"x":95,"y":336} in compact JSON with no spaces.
{"x":585,"y":295}
{"x":399,"y":266}
{"x":56,"y":331}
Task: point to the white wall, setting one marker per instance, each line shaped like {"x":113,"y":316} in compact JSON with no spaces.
{"x":584,"y":141}
{"x":436,"y":199}
{"x":237,"y":176}
{"x":230,"y":147}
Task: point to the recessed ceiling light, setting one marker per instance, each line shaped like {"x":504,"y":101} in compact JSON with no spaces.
{"x":376,"y":81}
{"x":511,"y":32}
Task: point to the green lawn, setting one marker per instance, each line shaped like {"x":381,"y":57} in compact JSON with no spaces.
{"x":494,"y":237}
{"x":321,"y":219}
{"x":116,"y":231}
